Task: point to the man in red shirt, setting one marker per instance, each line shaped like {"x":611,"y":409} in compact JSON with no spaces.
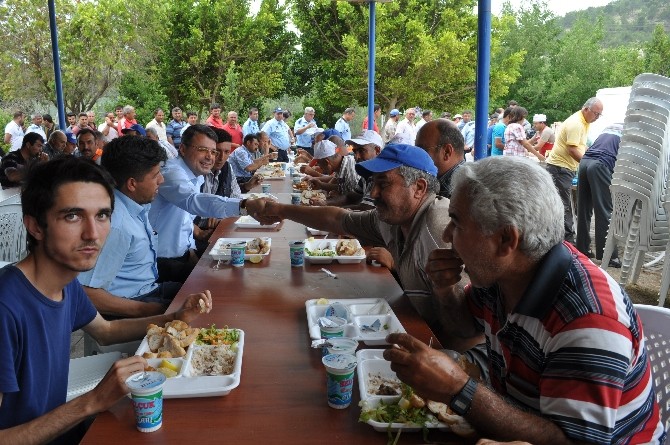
{"x":377,"y":112}
{"x":234,"y":129}
{"x":214,"y":119}
{"x":128,"y":119}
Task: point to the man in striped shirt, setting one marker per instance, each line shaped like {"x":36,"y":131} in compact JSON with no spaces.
{"x":566,"y":353}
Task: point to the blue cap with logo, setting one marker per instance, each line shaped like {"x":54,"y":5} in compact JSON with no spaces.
{"x":331,"y":132}
{"x":279,"y":110}
{"x":395,"y":155}
{"x":394,"y":112}
{"x":135,"y":127}
{"x":71,"y":138}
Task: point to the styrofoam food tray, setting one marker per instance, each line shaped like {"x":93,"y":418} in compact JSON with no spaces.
{"x":221,"y":249}
{"x":247,"y":222}
{"x":371,"y":362}
{"x":188,"y":385}
{"x":254,"y":195}
{"x":270,"y":174}
{"x":330,"y":245}
{"x":86,"y":372}
{"x":357,"y":315}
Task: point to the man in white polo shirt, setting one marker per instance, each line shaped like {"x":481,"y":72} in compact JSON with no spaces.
{"x":14,"y":131}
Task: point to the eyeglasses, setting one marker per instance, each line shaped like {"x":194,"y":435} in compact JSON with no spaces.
{"x":211,"y":151}
{"x":595,"y":112}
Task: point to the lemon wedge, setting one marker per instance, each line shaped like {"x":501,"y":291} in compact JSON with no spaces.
{"x":255,"y":259}
{"x":322,"y":301}
{"x":169,"y":365}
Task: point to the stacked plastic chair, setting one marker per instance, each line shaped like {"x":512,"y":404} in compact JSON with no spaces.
{"x":639,"y":183}
{"x":665,"y":277}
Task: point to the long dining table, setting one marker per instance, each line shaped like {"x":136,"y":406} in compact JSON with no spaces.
{"x":281,"y":398}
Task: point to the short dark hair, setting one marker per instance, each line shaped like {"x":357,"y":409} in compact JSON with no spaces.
{"x":191,"y":113}
{"x":131,"y":157}
{"x":426,"y":113}
{"x":48,"y":118}
{"x":43,"y":180}
{"x":512,"y":103}
{"x":222,"y":135}
{"x":157,"y":110}
{"x":214,"y":106}
{"x":517,"y":114}
{"x":192,"y":130}
{"x":507,"y":111}
{"x":376,"y":107}
{"x":82,"y":114}
{"x":249,"y":137}
{"x":118,"y":107}
{"x":31,"y":138}
{"x":450,"y":134}
{"x":71,"y":114}
{"x":18,"y":113}
{"x":84,"y":131}
{"x":253,"y":110}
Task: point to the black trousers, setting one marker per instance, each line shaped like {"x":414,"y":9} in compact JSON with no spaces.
{"x":593,"y":196}
{"x":563,"y":181}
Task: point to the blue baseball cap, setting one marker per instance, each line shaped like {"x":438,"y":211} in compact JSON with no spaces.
{"x":135,"y":127}
{"x":331,"y":132}
{"x":394,"y":112}
{"x":395,"y":155}
{"x":71,"y":138}
{"x":278,"y":110}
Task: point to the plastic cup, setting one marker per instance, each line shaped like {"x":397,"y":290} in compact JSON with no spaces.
{"x":297,"y":252}
{"x":237,"y":252}
{"x":333,"y":329}
{"x":147,"y":396}
{"x":340,"y":379}
{"x":291,"y":170}
{"x":341,"y":346}
{"x":296,"y":179}
{"x":295,"y":198}
{"x":265,"y":188}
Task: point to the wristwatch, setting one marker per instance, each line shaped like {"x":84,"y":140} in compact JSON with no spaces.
{"x":461,"y":401}
{"x":243,"y":208}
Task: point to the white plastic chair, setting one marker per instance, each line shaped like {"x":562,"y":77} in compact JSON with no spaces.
{"x":13,"y":245}
{"x":656,"y":328}
{"x":91,"y":347}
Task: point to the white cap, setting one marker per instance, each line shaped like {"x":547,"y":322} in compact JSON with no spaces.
{"x":324,"y":149}
{"x":458,"y":116}
{"x":368,"y":137}
{"x":540,"y":118}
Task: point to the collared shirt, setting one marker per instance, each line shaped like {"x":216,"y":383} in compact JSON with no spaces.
{"x":304,"y":139}
{"x":179,"y":200}
{"x":239,"y":160}
{"x":389,"y":130}
{"x":468,"y":133}
{"x":113,"y":134}
{"x":160,"y":129}
{"x":250,"y":127}
{"x":409,"y":254}
{"x":17,"y":135}
{"x":222,"y":183}
{"x":420,"y":124}
{"x":514,"y":134}
{"x":126,"y":266}
{"x":405,"y":133}
{"x":347,"y":178}
{"x":36,"y":129}
{"x":278,"y":131}
{"x":343,"y":127}
{"x":572,"y":132}
{"x":235,"y":132}
{"x":445,"y":180}
{"x":215,"y":122}
{"x":572,"y":351}
{"x":174,"y":129}
{"x":170,"y":149}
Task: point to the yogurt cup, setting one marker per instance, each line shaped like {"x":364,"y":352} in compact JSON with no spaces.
{"x":265,"y":188}
{"x":295,"y":198}
{"x":297,"y":253}
{"x":237,"y":252}
{"x":146,"y":391}
{"x":331,"y":326}
{"x":341,"y":345}
{"x":339,"y":379}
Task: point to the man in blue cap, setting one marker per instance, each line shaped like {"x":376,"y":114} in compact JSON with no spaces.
{"x":391,"y":125}
{"x":407,"y":220}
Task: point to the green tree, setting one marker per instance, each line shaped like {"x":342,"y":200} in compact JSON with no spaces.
{"x":657,"y":53}
{"x":213,"y":42}
{"x":425,"y":54}
{"x":98,"y":45}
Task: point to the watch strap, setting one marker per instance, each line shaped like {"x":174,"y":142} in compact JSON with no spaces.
{"x":461,"y":401}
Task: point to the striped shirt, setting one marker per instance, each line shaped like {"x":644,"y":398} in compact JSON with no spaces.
{"x":572,"y":351}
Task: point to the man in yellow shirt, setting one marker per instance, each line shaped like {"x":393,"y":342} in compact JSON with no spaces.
{"x":563,"y":161}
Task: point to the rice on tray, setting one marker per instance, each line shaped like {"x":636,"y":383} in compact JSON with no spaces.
{"x":215,"y":360}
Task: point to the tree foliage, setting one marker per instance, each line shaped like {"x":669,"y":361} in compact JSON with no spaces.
{"x":425,"y":53}
{"x":657,"y":53}
{"x":99,"y":42}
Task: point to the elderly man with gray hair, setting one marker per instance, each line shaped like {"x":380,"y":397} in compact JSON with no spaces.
{"x":343,"y":124}
{"x":566,"y":353}
{"x":563,"y":160}
{"x":304,"y":129}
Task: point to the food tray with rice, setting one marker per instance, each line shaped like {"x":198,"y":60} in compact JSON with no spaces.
{"x":199,"y":362}
{"x":272,"y":172}
{"x":324,"y":251}
{"x":388,"y":405}
{"x":368,"y":320}
{"x":256,"y":248}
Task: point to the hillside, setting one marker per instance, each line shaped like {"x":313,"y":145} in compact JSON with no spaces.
{"x":626,"y":21}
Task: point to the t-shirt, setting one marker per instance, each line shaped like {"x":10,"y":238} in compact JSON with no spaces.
{"x":605,"y":149}
{"x":235,"y":133}
{"x":13,"y":159}
{"x":573,"y":351}
{"x":498,"y":132}
{"x":17,"y":135}
{"x":35,"y":354}
{"x":572,"y":132}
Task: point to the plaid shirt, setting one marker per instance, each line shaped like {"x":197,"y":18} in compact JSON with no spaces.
{"x":514,"y":133}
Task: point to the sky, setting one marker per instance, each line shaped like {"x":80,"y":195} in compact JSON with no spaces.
{"x":558,"y":7}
